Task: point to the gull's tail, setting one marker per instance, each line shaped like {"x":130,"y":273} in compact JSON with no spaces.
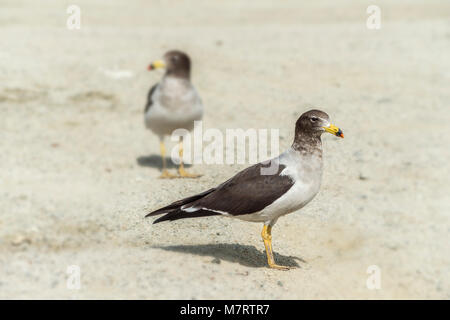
{"x":174,"y":211}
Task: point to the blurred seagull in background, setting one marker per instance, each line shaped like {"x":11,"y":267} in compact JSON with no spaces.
{"x":172,"y":104}
{"x":260,"y":195}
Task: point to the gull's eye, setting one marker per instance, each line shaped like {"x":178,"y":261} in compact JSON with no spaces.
{"x":314,"y":119}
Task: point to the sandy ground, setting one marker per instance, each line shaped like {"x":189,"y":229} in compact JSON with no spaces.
{"x":78,"y":170}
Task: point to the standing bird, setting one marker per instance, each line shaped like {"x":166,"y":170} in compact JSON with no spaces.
{"x":172,"y":104}
{"x":268,"y":190}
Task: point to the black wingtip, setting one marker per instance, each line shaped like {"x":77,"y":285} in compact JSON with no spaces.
{"x":149,"y":214}
{"x":159,"y":220}
{"x":178,"y":204}
{"x":157,"y":212}
{"x":173,"y":215}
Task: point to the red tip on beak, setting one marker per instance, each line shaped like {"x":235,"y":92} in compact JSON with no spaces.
{"x":150,"y":67}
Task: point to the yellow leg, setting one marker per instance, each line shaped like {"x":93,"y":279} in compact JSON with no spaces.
{"x":266,"y":234}
{"x":181,"y":171}
{"x":165,"y":173}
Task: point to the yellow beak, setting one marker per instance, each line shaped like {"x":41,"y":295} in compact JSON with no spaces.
{"x":334,"y":130}
{"x":158,"y":64}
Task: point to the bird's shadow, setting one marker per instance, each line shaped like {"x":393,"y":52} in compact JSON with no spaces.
{"x":243,"y":254}
{"x":155,"y":161}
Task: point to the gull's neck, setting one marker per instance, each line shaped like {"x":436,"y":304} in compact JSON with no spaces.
{"x":173,"y":83}
{"x":184,"y":74}
{"x":307,"y":144}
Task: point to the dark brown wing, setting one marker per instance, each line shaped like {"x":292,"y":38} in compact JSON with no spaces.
{"x":247,"y":192}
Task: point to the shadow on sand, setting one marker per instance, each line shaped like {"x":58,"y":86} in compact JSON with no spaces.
{"x":243,"y":254}
{"x":155,"y":161}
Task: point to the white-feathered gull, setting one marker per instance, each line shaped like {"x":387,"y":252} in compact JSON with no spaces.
{"x":172,"y":104}
{"x":254,"y":195}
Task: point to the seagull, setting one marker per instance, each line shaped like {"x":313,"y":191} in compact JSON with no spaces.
{"x":268,"y":190}
{"x":172,"y":104}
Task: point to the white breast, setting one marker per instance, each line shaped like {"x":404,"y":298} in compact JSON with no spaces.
{"x":176,"y":94}
{"x":176,"y":104}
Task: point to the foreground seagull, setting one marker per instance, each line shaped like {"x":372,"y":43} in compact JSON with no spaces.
{"x":255,"y":195}
{"x":172,"y":104}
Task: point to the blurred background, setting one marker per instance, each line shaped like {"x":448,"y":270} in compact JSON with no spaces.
{"x":78,"y":170}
